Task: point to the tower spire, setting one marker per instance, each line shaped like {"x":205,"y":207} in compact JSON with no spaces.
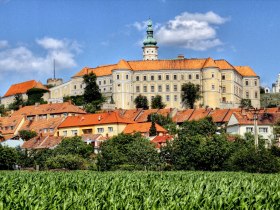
{"x":150,"y":44}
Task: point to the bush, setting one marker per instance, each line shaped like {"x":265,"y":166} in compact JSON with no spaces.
{"x":9,"y":157}
{"x":71,"y":162}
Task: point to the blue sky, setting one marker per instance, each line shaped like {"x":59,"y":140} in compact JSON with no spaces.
{"x":79,"y":33}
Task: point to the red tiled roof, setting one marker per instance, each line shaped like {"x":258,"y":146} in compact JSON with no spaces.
{"x":199,"y":114}
{"x":23,"y":87}
{"x":57,"y":108}
{"x":263,"y":118}
{"x":142,"y":128}
{"x":9,"y":124}
{"x":182,"y":116}
{"x":143,"y":116}
{"x":42,"y":142}
{"x":95,"y":119}
{"x":46,"y":126}
{"x":129,"y":113}
{"x":245,"y":71}
{"x":159,"y":141}
{"x":151,"y":65}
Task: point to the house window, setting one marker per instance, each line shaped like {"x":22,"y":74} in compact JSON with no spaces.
{"x":64,"y":133}
{"x":249,"y":129}
{"x":74,"y":132}
{"x":144,"y":78}
{"x":145,"y":89}
{"x":175,"y":97}
{"x":137,"y":78}
{"x":167,"y":88}
{"x":175,"y":77}
{"x":246,"y":82}
{"x":152,"y":88}
{"x":167,"y":98}
{"x":197,"y":76}
{"x":190,"y":76}
{"x":175,"y":87}
{"x":152,"y":77}
{"x":137,"y":89}
{"x":159,"y":88}
{"x":247,"y":94}
{"x":100,"y":130}
{"x":223,"y":77}
{"x":167,"y":77}
{"x":159,"y":77}
{"x":263,"y":130}
{"x":118,"y":76}
{"x":110,"y":129}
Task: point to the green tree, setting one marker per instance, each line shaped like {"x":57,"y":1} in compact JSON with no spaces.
{"x":3,"y":111}
{"x":163,"y":121}
{"x":131,"y":151}
{"x":35,"y":96}
{"x":18,"y":102}
{"x":262,"y":90}
{"x":92,"y":96}
{"x":141,"y":102}
{"x":153,"y":129}
{"x":74,"y":146}
{"x":27,"y":134}
{"x":8,"y":157}
{"x":246,"y":103}
{"x":76,"y":100}
{"x":190,"y":94}
{"x":157,"y":102}
{"x":71,"y":162}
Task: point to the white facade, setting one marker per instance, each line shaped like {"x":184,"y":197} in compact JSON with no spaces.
{"x":276,"y":85}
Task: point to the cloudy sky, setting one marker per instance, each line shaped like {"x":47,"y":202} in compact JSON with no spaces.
{"x":79,"y":33}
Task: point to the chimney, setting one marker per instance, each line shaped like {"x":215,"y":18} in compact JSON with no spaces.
{"x":180,"y":56}
{"x":36,"y":104}
{"x":99,"y":118}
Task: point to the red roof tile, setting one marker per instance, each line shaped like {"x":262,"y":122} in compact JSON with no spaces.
{"x":42,"y":142}
{"x":23,"y":87}
{"x":142,"y":128}
{"x":95,"y":119}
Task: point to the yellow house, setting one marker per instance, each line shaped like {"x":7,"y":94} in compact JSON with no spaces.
{"x":107,"y":124}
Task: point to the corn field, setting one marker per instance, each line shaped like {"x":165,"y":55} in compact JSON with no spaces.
{"x":138,"y":190}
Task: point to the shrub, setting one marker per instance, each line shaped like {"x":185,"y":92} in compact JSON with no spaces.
{"x":71,"y":162}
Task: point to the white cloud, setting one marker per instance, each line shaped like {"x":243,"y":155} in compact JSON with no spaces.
{"x":196,"y":31}
{"x":22,"y":60}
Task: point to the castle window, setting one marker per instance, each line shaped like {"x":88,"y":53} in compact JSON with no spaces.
{"x":167,"y":98}
{"x":190,"y":76}
{"x":126,"y":76}
{"x":167,"y":77}
{"x":152,"y":77}
{"x":223,"y":77}
{"x":213,"y":75}
{"x":118,"y":76}
{"x":111,"y":81}
{"x":137,"y":89}
{"x":256,"y":94}
{"x":167,"y":88}
{"x":137,"y":78}
{"x":213,"y":87}
{"x":197,"y":76}
{"x":145,"y":89}
{"x":175,"y":97}
{"x":104,"y":82}
{"x":75,"y":87}
{"x":152,"y":88}
{"x":224,"y":99}
{"x":99,"y":82}
{"x":175,"y":88}
{"x":247,"y":94}
{"x":246,"y":82}
{"x":223,"y":89}
{"x":159,"y":88}
{"x":81,"y":86}
{"x":256,"y":82}
{"x":159,"y":77}
{"x":175,"y":77}
{"x":144,"y":78}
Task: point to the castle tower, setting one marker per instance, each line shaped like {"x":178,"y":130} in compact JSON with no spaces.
{"x":150,"y":48}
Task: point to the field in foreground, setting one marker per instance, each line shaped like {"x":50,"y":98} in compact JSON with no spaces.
{"x":138,"y":190}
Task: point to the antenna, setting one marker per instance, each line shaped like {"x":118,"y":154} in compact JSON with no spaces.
{"x":54,"y":68}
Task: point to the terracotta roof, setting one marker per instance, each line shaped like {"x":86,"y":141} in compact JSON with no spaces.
{"x":86,"y":137}
{"x":95,"y":119}
{"x":224,"y":65}
{"x":219,"y":115}
{"x":57,"y":108}
{"x":176,"y":64}
{"x":210,"y":63}
{"x":23,"y":87}
{"x":182,"y":116}
{"x":160,"y":141}
{"x":142,"y":128}
{"x":8,"y":125}
{"x":42,"y":142}
{"x":143,"y":116}
{"x":45,"y":126}
{"x":263,"y":118}
{"x":199,"y":114}
{"x":129,"y":113}
{"x":246,"y":71}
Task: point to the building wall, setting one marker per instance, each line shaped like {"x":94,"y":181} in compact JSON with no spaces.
{"x":251,"y":90}
{"x":95,"y":129}
{"x":10,"y":99}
